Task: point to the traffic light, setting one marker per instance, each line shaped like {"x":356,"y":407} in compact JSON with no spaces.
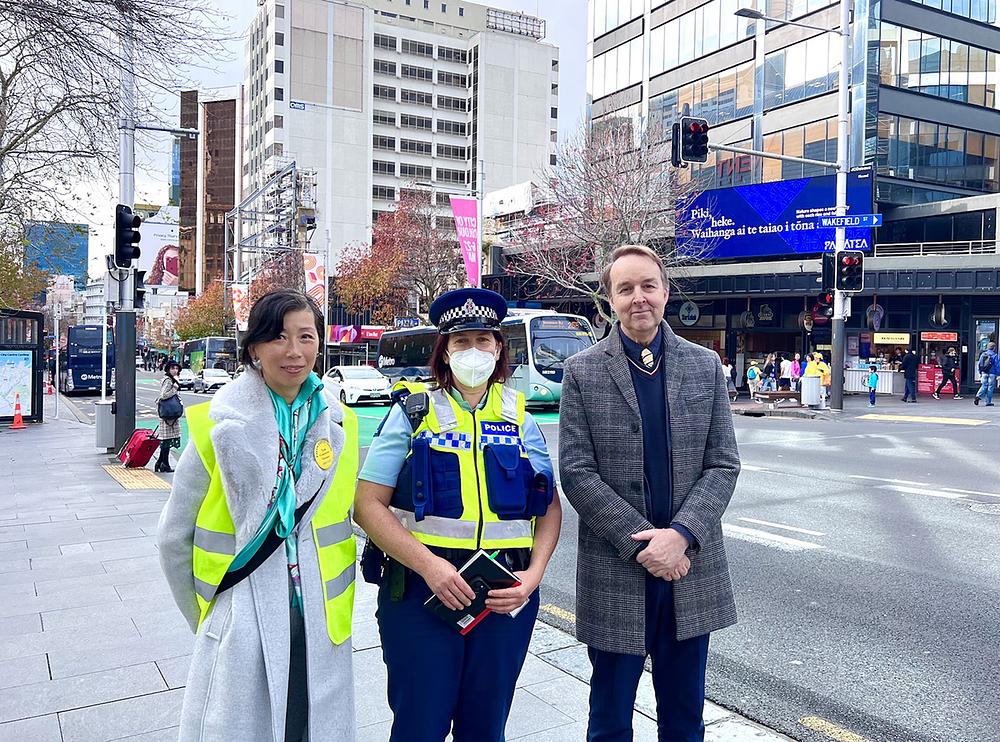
{"x":824,"y":304}
{"x":850,"y":271}
{"x":126,"y":236}
{"x":690,"y":141}
{"x":827,"y":282}
{"x":139,"y":296}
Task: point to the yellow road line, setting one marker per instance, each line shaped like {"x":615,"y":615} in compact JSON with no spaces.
{"x":135,"y":479}
{"x":831,"y":730}
{"x":920,"y":419}
{"x":559,"y":612}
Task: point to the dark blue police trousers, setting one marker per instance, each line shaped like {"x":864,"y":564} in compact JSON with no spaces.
{"x":441,"y":681}
{"x":678,"y":678}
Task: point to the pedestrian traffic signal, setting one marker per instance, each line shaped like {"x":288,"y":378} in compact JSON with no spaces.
{"x":850,"y":271}
{"x":689,"y":142}
{"x":827,"y":281}
{"x":824,"y":304}
{"x":139,"y":295}
{"x":126,"y":236}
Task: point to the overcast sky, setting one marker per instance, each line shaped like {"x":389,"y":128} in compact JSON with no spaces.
{"x":566,"y":28}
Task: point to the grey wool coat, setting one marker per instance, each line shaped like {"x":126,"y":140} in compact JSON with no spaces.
{"x":168,"y":428}
{"x":237,"y":686}
{"x":601,"y":474}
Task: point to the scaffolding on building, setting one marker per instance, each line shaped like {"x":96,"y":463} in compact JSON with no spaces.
{"x":514,"y":22}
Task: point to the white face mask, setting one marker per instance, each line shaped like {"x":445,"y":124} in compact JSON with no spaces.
{"x":472,"y":367}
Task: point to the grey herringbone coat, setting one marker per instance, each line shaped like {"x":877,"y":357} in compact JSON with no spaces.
{"x":601,"y":474}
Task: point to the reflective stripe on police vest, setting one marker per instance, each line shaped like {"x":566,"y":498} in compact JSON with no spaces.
{"x":334,"y":533}
{"x":506,"y":529}
{"x":341,"y":582}
{"x":216,"y":542}
{"x":433,"y":525}
{"x":442,"y":409}
{"x":204,"y":590}
{"x":508,"y":404}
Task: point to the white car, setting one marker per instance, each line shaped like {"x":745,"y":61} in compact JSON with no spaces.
{"x":185,"y":379}
{"x":354,"y":384}
{"x":210,"y":379}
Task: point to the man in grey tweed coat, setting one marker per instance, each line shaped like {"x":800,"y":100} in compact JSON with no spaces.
{"x":648,"y":458}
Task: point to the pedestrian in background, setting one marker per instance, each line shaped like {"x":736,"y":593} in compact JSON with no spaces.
{"x":949,"y":364}
{"x":257,"y":546}
{"x":785,"y":373}
{"x":872,"y":384}
{"x":730,"y":373}
{"x":989,"y":368}
{"x":797,"y":370}
{"x":770,"y":373}
{"x":753,"y":379}
{"x":169,"y":430}
{"x":908,"y":365}
{"x":652,"y":577}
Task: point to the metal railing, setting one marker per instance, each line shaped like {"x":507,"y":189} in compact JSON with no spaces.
{"x":915,"y":249}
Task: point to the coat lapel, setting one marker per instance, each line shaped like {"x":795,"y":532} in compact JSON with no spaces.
{"x":673,"y":368}
{"x":618,"y":368}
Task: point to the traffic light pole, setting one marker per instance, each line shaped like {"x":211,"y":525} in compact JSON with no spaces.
{"x":838,"y":332}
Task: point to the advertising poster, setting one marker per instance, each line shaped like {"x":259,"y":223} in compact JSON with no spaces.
{"x":777,"y":218}
{"x":159,"y":251}
{"x":241,"y":305}
{"x":315,"y":270}
{"x":15,"y":378}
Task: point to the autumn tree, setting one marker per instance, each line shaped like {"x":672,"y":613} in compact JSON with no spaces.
{"x":609,"y":187}
{"x":203,"y":316}
{"x":20,"y":280}
{"x":369,"y":277}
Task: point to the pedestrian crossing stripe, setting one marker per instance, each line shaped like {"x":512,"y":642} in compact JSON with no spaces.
{"x":924,"y":419}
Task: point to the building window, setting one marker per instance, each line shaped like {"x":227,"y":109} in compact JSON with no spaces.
{"x":451,"y":104}
{"x":380,"y":167}
{"x":554,"y":112}
{"x":279,"y":39}
{"x":383,"y":142}
{"x":452,"y":55}
{"x":418,"y":47}
{"x":453,"y":79}
{"x":384,"y":92}
{"x":444,"y":8}
{"x":801,"y":71}
{"x":461,"y":11}
{"x":552,"y":160}
{"x":384,"y":193}
{"x":417,"y":172}
{"x":279,"y":122}
{"x":718,"y":98}
{"x":427,"y":4}
{"x":412,"y":145}
{"x":451,"y":152}
{"x":412,"y":72}
{"x":387,"y":118}
{"x":279,"y":65}
{"x":417,"y":97}
{"x":382,"y":67}
{"x":451,"y":176}
{"x":279,"y":11}
{"x":385,"y":42}
{"x":451,"y":127}
{"x":279,"y":93}
{"x":408,"y":121}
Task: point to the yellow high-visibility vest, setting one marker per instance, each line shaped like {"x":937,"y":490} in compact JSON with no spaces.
{"x":215,"y":534}
{"x":462,"y":516}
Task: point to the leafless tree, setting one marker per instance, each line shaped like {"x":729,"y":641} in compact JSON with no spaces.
{"x":433,"y":258}
{"x":610,"y":186}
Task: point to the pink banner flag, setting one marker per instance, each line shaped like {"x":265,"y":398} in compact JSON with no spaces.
{"x":466,"y":213}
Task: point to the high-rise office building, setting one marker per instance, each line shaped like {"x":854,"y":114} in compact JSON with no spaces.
{"x":375,"y":96}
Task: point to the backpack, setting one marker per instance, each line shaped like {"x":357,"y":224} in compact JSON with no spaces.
{"x":752,"y":373}
{"x":985,"y":363}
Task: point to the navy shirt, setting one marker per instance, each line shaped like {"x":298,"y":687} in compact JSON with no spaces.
{"x":654,"y":411}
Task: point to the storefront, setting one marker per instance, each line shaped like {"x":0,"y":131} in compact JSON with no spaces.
{"x":352,"y":345}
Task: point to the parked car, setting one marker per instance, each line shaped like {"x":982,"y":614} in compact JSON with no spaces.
{"x":211,"y":379}
{"x":185,"y":379}
{"x":355,"y":384}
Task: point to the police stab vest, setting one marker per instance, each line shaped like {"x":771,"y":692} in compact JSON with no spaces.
{"x":215,"y":534}
{"x":467,"y":482}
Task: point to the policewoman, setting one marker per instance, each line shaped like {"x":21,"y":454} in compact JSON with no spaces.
{"x":457,"y":465}
{"x":257,"y":546}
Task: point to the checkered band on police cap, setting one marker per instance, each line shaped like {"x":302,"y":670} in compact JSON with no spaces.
{"x":469,"y":310}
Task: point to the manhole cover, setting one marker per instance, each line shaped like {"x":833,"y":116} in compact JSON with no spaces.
{"x":989,"y":509}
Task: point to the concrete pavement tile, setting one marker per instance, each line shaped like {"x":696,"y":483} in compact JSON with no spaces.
{"x":536,"y":670}
{"x":84,"y":616}
{"x":14,"y":565}
{"x":113,"y":721}
{"x":572,"y":660}
{"x":175,"y":670}
{"x":378,"y":732}
{"x":23,"y":671}
{"x":741,"y":730}
{"x":714,"y":713}
{"x":164,"y":619}
{"x":105,"y":533}
{"x":545,"y":638}
{"x":113,"y":518}
{"x":369,"y":688}
{"x":155,"y":586}
{"x":138,"y":508}
{"x":75,"y":549}
{"x":566,"y":694}
{"x":364,"y":635}
{"x":12,"y":533}
{"x":29,"y":623}
{"x":100,"y":511}
{"x":8,"y":548}
{"x":146,"y":520}
{"x":39,"y":729}
{"x":162,"y":735}
{"x":53,"y":696}
{"x":643,"y":730}
{"x":84,"y":660}
{"x":529,"y":715}
{"x":101,"y":634}
{"x":72,"y":598}
{"x":125,"y":547}
{"x":149,"y":564}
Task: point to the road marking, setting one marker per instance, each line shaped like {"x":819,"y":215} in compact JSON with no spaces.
{"x":784,"y":543}
{"x":918,"y":491}
{"x":831,"y":730}
{"x":559,"y":612}
{"x":779,"y":525}
{"x":971,"y":492}
{"x":749,"y":467}
{"x":886,"y":479}
{"x":922,"y":419}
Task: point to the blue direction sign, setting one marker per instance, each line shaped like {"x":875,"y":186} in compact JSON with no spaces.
{"x":858,"y":220}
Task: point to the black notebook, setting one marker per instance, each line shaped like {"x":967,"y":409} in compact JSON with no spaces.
{"x":483,"y":574}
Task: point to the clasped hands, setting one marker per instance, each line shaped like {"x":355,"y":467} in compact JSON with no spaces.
{"x":663,"y":555}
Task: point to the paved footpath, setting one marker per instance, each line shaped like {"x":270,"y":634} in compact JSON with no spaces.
{"x":92,"y":647}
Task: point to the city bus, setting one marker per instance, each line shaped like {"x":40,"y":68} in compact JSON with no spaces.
{"x":538,"y":344}
{"x":209,"y":352}
{"x":80,"y":362}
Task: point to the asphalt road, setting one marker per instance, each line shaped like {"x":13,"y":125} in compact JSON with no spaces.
{"x":869,"y":596}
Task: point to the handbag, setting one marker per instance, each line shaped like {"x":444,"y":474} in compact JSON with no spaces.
{"x":170,"y":408}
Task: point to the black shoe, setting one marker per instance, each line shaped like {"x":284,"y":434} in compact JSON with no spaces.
{"x":976,"y":401}
{"x":989,"y":404}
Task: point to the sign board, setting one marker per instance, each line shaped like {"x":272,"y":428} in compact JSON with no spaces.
{"x":405,"y":322}
{"x":941,"y":337}
{"x":15,"y":379}
{"x":892,"y":338}
{"x":689,"y":314}
{"x":159,"y":249}
{"x":780,"y":218}
{"x":296,"y":105}
{"x":861,"y":220}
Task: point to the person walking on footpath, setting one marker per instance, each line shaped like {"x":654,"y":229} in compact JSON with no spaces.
{"x":648,"y":458}
{"x":989,"y":368}
{"x":170,"y":410}
{"x":872,"y":384}
{"x":257,"y":545}
{"x":784,"y":374}
{"x":753,"y":379}
{"x":797,"y":369}
{"x":908,"y":365}
{"x":489,"y":486}
{"x":949,"y":364}
{"x":730,"y":373}
{"x":770,"y":382}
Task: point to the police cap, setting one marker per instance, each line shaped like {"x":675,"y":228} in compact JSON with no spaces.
{"x":468,"y":309}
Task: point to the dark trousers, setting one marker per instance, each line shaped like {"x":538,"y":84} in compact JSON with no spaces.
{"x":678,"y":678}
{"x":910,"y":390}
{"x":164,"y":459}
{"x":441,"y":681}
{"x":297,"y":703}
{"x":871,"y":397}
{"x":949,"y":376}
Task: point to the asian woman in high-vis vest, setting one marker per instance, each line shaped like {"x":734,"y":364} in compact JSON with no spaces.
{"x":457,"y":466}
{"x":257,"y":545}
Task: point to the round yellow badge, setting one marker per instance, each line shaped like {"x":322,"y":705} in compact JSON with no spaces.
{"x":323,"y":454}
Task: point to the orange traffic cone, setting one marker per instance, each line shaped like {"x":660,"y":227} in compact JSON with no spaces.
{"x":18,"y":423}
{"x":50,"y":390}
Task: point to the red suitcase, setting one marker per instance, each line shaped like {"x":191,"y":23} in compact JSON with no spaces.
{"x":139,"y":449}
